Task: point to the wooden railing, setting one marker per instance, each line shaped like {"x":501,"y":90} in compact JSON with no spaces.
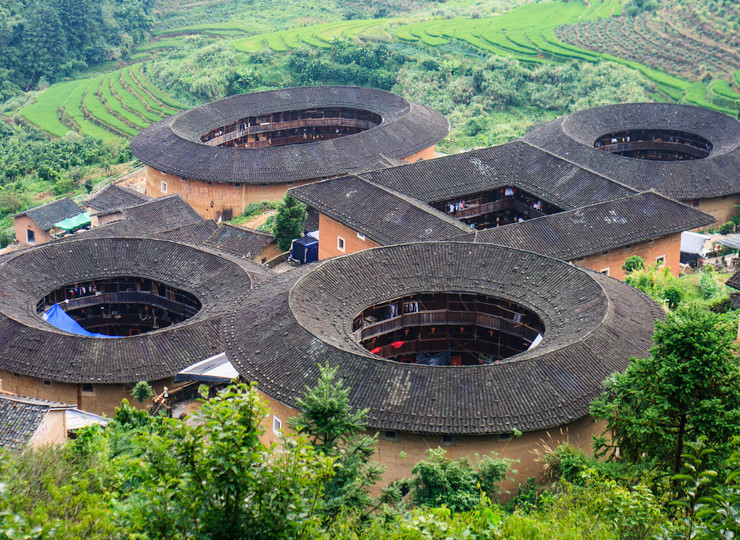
{"x":131,"y":297}
{"x":654,"y":145}
{"x":293,"y":124}
{"x":508,"y":203}
{"x":445,"y":317}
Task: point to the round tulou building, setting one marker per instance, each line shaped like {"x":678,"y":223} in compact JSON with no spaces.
{"x":150,"y":308}
{"x":474,"y":347}
{"x":252,"y":147}
{"x":690,"y":154}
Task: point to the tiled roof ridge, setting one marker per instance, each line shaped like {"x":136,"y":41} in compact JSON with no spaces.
{"x":580,"y":166}
{"x":12,"y":396}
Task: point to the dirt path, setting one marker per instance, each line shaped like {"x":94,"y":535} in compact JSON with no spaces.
{"x":258,"y":220}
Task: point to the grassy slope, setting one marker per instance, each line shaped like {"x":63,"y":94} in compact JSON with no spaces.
{"x":126,"y":101}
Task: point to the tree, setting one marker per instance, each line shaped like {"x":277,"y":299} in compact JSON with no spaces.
{"x":686,"y":388}
{"x":213,"y":478}
{"x":456,"y":484}
{"x":289,"y":222}
{"x":336,"y":431}
{"x":635,"y":262}
{"x":142,"y":391}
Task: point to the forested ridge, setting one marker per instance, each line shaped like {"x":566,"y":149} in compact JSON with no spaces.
{"x":49,"y":40}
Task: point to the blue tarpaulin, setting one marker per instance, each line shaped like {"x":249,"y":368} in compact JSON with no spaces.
{"x":58,"y":318}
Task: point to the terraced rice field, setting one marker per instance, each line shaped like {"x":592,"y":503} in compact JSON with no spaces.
{"x":318,"y":36}
{"x":116,"y":105}
{"x":657,"y":42}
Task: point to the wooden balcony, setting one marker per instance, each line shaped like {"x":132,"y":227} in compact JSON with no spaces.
{"x":665,"y":146}
{"x":445,"y":318}
{"x":131,"y":297}
{"x":293,"y":124}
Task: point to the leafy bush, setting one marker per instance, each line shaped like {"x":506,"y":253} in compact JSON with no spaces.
{"x":456,"y":484}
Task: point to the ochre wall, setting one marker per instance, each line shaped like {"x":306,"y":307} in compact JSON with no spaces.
{"x":22,"y":223}
{"x":211,"y":200}
{"x":53,"y":430}
{"x":329,"y":230}
{"x":270,"y":252}
{"x":722,"y":208}
{"x":527,"y":448}
{"x":427,"y":153}
{"x":104,"y":401}
{"x":670,"y":246}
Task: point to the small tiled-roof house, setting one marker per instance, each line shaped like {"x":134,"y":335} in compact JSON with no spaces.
{"x":106,"y":206}
{"x":258,"y":246}
{"x":34,"y":226}
{"x":29,"y":423}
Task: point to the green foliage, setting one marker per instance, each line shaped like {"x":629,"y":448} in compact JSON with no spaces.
{"x":142,"y":391}
{"x":708,"y":286}
{"x":457,"y":484}
{"x":658,"y":283}
{"x":338,"y":432}
{"x":686,"y":388}
{"x":289,"y":222}
{"x":49,"y":40}
{"x":635,"y":262}
{"x":213,"y":478}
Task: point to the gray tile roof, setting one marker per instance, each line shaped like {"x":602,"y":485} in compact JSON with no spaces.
{"x":239,"y":241}
{"x":29,"y":346}
{"x":280,"y":333}
{"x":572,"y":138}
{"x":20,"y":417}
{"x":374,"y":203}
{"x":381,"y":214}
{"x":173,"y":145}
{"x":114,"y":197}
{"x":46,"y":215}
{"x":148,"y":218}
{"x":600,"y":227}
{"x":516,"y":164}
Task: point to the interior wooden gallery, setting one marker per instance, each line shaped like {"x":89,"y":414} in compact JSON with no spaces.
{"x":448,"y":329}
{"x":292,"y":127}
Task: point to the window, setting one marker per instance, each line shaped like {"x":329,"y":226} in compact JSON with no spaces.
{"x":505,"y":437}
{"x":660,"y":261}
{"x":88,"y":389}
{"x":340,"y":244}
{"x":604,"y":271}
{"x":209,"y":183}
{"x":361,"y":236}
{"x":237,"y":185}
{"x":164,"y":187}
{"x":30,"y":237}
{"x":695,"y":202}
{"x":276,"y":425}
{"x":390,"y":435}
{"x":448,"y":440}
{"x":47,"y":383}
{"x":628,"y":246}
{"x":288,"y":183}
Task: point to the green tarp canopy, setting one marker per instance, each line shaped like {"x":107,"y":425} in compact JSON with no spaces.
{"x":74,"y":222}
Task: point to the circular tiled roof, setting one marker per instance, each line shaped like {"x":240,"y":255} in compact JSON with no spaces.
{"x":174,"y":145}
{"x":30,"y":346}
{"x":281,"y":332}
{"x":572,"y":138}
